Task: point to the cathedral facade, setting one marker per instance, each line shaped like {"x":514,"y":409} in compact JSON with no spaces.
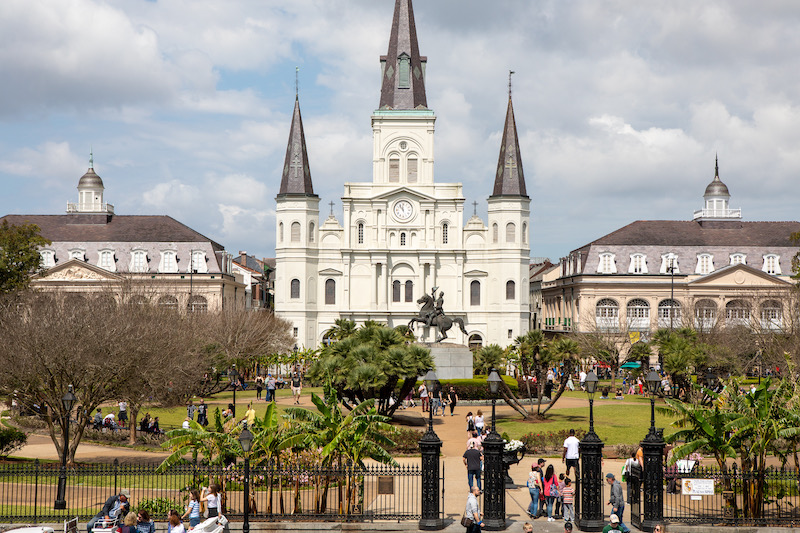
{"x":403,"y":234}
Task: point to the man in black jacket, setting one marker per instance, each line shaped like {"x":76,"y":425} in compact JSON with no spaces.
{"x":116,"y":507}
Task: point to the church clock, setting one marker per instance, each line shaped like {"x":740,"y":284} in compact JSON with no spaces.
{"x":403,"y":210}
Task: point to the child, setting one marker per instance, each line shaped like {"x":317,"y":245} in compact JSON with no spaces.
{"x":129,"y":524}
{"x":470,"y":424}
{"x":559,"y":499}
{"x":193,"y":509}
{"x":212,"y":500}
{"x":568,"y":503}
{"x":175,"y":525}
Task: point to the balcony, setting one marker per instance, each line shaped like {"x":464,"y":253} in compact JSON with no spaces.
{"x":717,"y":213}
{"x":95,"y":208}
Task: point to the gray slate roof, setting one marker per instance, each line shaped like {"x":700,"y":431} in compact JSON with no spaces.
{"x":510,"y":179}
{"x":403,"y":40}
{"x":296,"y":176}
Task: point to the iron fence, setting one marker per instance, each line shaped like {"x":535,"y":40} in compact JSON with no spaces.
{"x":706,"y":495}
{"x":291,"y":492}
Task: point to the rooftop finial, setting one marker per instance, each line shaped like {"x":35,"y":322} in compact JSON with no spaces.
{"x":716,"y":166}
{"x":91,"y":157}
{"x":510,"y":73}
{"x":297,"y":82}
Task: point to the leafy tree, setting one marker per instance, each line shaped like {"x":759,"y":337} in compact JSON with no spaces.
{"x":214,"y":443}
{"x":19,"y":255}
{"x":682,"y":353}
{"x":565,"y":352}
{"x":371,"y":363}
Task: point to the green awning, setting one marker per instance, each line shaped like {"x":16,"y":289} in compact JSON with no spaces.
{"x":631,"y":364}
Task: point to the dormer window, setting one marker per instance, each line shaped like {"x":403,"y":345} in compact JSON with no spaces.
{"x":669,"y":264}
{"x":705,"y":264}
{"x":80,"y":255}
{"x":199,"y":264}
{"x":607,"y":264}
{"x":138,"y":261}
{"x":738,"y":259}
{"x":772,"y":264}
{"x":106,"y":260}
{"x":404,"y":71}
{"x":48,"y":258}
{"x":638,"y":264}
{"x":169,"y":262}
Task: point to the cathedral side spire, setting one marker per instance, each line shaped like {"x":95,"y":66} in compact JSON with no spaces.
{"x":402,"y":68}
{"x":296,"y":176}
{"x":509,"y":180}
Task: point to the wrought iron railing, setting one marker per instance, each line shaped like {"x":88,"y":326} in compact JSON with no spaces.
{"x":28,"y":491}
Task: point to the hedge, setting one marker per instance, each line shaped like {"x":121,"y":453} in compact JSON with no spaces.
{"x":473,"y":389}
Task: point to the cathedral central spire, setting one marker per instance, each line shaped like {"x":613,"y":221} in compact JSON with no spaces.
{"x":403,"y":69}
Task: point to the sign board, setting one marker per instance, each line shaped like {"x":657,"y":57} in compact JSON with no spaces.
{"x":385,"y":484}
{"x":697,"y":487}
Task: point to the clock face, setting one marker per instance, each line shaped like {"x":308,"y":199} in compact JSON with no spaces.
{"x":403,"y":210}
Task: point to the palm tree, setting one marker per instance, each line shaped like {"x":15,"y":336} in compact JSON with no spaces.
{"x":566,"y":353}
{"x":342,"y":329}
{"x":529,"y":346}
{"x":488,"y":357}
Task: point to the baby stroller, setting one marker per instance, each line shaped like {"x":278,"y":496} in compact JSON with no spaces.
{"x":215,"y":524}
{"x":105,"y":525}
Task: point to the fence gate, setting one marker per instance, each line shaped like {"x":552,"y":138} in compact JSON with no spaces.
{"x":635,"y":500}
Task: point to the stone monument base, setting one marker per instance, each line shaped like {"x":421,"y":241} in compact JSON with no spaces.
{"x":453,"y":361}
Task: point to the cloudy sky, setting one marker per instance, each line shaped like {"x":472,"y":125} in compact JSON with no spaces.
{"x":621,"y":105}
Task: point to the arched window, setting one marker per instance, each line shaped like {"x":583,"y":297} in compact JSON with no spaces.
{"x":412,"y":164}
{"x":638,"y":264}
{"x":738,"y":259}
{"x":311,"y":232}
{"x":638,"y":312}
{"x":169,"y":262}
{"x":294,"y":292}
{"x":409,"y":291}
{"x":475,"y":293}
{"x":511,"y":290}
{"x":669,"y":264}
{"x":669,"y":313}
{"x":394,"y":170}
{"x":403,"y":238}
{"x":330,"y":292}
{"x":295,"y":232}
{"x":607,"y":315}
{"x":199,"y":262}
{"x":198,"y":304}
{"x":511,"y":232}
{"x":360,"y":233}
{"x":771,"y":315}
{"x":475,"y":342}
{"x":524,"y":233}
{"x":48,"y":258}
{"x":444,"y":233}
{"x":280,"y":232}
{"x":168,"y":302}
{"x":107,"y":260}
{"x":139,"y":261}
{"x":396,"y":291}
{"x":705,"y":314}
{"x":495,"y":232}
{"x":78,"y":254}
{"x":737,"y":313}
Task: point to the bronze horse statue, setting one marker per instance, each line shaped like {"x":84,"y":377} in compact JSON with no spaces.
{"x":441,"y":322}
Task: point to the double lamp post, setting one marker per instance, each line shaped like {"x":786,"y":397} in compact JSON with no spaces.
{"x":67,"y":401}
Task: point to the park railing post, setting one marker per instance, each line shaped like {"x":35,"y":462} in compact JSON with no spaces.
{"x":430,"y":447}
{"x":591,"y":476}
{"x":653,"y":479}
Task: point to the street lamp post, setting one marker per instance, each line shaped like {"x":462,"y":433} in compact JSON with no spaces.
{"x":591,"y":473}
{"x":671,"y":290}
{"x":430,"y":447}
{"x":653,"y":471}
{"x":235,"y":381}
{"x":67,"y":401}
{"x":246,"y":441}
{"x":494,"y":485}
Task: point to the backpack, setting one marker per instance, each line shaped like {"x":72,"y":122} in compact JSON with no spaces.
{"x":470,"y":425}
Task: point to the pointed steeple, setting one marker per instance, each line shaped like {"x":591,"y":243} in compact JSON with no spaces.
{"x":509,"y":180}
{"x":402,"y":68}
{"x":296,"y":177}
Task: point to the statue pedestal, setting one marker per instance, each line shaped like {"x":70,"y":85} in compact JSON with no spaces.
{"x":453,"y":361}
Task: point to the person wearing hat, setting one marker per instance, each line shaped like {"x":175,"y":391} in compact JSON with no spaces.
{"x":567,"y":527}
{"x":615,"y":525}
{"x":616,"y":501}
{"x":116,"y":507}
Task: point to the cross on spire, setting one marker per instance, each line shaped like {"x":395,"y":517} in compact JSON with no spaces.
{"x":510,"y":73}
{"x":296,"y":164}
{"x":474,"y":209}
{"x":91,"y":158}
{"x":331,"y":204}
{"x":297,"y":81}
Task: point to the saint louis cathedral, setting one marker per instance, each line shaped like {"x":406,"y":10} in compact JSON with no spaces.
{"x":402,"y":235}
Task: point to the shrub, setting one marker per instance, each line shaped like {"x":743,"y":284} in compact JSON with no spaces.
{"x":406,"y":440}
{"x":549,"y":441}
{"x":158,"y":506}
{"x":473,"y":389}
{"x":11,"y":440}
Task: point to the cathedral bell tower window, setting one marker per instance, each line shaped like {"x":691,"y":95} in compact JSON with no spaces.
{"x":394,"y":170}
{"x":444,"y":233}
{"x":360,"y":233}
{"x":411,"y":167}
{"x":403,"y":71}
{"x":403,"y":239}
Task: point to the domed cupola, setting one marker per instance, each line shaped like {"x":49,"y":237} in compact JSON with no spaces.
{"x":716,"y":200}
{"x":90,"y":193}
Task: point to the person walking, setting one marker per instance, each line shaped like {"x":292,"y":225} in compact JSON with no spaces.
{"x":423,"y":397}
{"x":472,"y":460}
{"x":534,"y":488}
{"x":570,"y":454}
{"x":479,"y":422}
{"x":472,"y":512}
{"x":453,"y":399}
{"x":550,"y":483}
{"x":615,"y":525}
{"x":202,"y":413}
{"x":271,"y":384}
{"x":616,"y":501}
{"x":259,"y":386}
{"x":193,"y":508}
{"x":297,"y":386}
{"x":568,"y":501}
{"x":123,"y":413}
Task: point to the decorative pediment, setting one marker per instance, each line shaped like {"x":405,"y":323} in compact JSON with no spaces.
{"x":405,"y":192}
{"x":330,"y":272}
{"x":740,"y":276}
{"x":476,"y":274}
{"x":76,"y":270}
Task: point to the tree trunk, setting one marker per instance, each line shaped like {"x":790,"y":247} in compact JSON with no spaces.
{"x":134,"y":415}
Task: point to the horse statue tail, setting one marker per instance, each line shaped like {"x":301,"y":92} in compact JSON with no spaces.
{"x":460,"y":323}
